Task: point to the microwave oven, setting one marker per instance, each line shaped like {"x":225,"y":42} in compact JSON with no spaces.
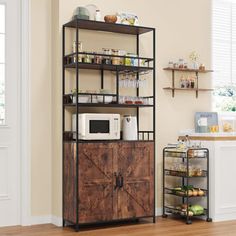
{"x":97,"y":126}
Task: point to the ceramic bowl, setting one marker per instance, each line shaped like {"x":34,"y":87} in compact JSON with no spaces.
{"x":107,"y":99}
{"x":81,"y":99}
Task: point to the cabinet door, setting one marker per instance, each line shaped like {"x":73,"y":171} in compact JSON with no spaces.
{"x":96,"y":182}
{"x":135,"y":161}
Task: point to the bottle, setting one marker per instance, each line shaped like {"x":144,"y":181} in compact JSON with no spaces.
{"x":98,"y":15}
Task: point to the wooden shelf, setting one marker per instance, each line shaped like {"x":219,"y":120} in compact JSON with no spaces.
{"x":187,"y":70}
{"x":189,"y":89}
{"x":108,"y":27}
{"x":113,"y":105}
{"x":108,"y":67}
{"x":196,"y":71}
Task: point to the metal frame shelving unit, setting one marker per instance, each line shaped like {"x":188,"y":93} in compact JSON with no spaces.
{"x":185,"y":157}
{"x":67,"y":99}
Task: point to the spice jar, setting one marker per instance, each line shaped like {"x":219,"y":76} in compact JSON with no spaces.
{"x":115,"y":60}
{"x":122,"y":59}
{"x":134,"y":60}
{"x":128,"y":60}
{"x":171,"y":64}
{"x":106,"y":58}
{"x":87,"y":58}
{"x":192,"y":83}
{"x":97,"y":59}
{"x":185,"y":65}
{"x":182,"y":82}
{"x":181,"y":63}
{"x":202,"y":67}
{"x":79,"y":50}
{"x":79,"y":47}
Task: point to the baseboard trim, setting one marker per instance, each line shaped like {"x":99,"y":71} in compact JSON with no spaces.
{"x":225,"y":217}
{"x":158,"y":211}
{"x":57,"y":221}
{"x":38,"y":220}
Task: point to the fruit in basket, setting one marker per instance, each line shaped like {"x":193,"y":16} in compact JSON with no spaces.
{"x":195,"y":192}
{"x":184,"y":206}
{"x":200,"y":192}
{"x":190,"y":213}
{"x":197,"y":209}
{"x":177,"y":189}
{"x":189,"y":193}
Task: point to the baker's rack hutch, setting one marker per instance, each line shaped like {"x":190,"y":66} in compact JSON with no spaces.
{"x":76,"y":151}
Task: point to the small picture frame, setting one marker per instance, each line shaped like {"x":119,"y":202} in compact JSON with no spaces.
{"x":204,"y":121}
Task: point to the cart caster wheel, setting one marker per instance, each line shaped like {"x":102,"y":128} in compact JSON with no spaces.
{"x":164,"y":216}
{"x":188,"y":222}
{"x":209,"y":220}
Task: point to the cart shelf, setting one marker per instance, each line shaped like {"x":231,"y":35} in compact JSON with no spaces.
{"x":186,"y":181}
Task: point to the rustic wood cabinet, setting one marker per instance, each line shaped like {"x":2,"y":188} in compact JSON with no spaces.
{"x":116,"y":181}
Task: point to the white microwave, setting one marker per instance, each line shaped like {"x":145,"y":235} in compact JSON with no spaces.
{"x":97,"y":126}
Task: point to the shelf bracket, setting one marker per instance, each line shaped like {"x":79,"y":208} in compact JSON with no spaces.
{"x":173,"y":83}
{"x":197,"y":84}
{"x":102,"y":79}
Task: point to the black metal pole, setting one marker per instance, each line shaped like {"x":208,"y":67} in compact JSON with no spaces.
{"x":117,"y":85}
{"x":102,"y":79}
{"x":188,"y":221}
{"x":77,"y":130}
{"x":154,"y":117}
{"x":197,"y":84}
{"x":63,"y":118}
{"x":173,"y":83}
{"x":137,"y":74}
{"x":163,"y":183}
{"x":208,"y":187}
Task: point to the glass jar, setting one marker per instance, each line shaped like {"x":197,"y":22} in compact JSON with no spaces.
{"x":171,"y":64}
{"x":131,"y":60}
{"x":87,"y":58}
{"x":122,"y":59}
{"x":106,"y":59}
{"x":134,"y":60}
{"x":181,"y":63}
{"x":80,"y":49}
{"x":115,"y":60}
{"x":97,"y":59}
{"x":128,"y":60}
{"x":192,"y":82}
{"x":182,"y":82}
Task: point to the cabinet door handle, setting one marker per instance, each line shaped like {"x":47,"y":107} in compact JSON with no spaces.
{"x":116,"y":181}
{"x":121,"y":181}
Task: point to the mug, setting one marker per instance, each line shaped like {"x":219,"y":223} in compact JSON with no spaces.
{"x":202,"y":121}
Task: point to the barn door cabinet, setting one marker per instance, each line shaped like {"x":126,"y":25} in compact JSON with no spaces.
{"x":115,"y":181}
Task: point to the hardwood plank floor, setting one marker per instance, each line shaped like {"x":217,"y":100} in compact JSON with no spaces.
{"x":163,"y":227}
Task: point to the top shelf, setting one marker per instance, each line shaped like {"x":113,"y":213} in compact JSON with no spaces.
{"x":187,"y":70}
{"x":108,"y":27}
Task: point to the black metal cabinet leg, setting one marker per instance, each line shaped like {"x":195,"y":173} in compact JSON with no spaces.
{"x":154,"y":220}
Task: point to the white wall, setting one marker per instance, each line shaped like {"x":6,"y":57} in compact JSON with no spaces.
{"x":41,"y":107}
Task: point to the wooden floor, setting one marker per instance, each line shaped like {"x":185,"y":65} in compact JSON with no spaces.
{"x":165,"y":227}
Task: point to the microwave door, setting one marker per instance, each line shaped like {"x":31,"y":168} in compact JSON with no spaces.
{"x":100,"y":129}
